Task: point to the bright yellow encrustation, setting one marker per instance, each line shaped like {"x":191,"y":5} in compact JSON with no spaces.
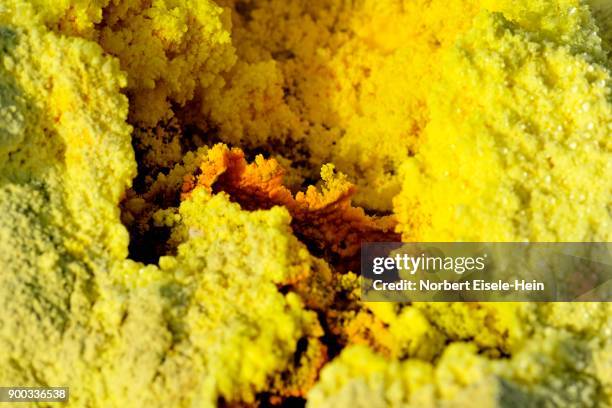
{"x":466,"y":120}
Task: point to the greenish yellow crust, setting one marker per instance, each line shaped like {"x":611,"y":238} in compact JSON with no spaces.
{"x":207,"y":324}
{"x":470,"y":120}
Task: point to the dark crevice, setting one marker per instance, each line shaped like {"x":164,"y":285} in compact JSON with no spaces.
{"x":332,"y":342}
{"x":300,"y":349}
{"x":267,"y":400}
{"x":148,"y":247}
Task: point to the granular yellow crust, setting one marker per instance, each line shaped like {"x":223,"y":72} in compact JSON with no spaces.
{"x":535,"y":375}
{"x":526,"y":125}
{"x":171,"y":50}
{"x":75,"y":310}
{"x":153,"y":248}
